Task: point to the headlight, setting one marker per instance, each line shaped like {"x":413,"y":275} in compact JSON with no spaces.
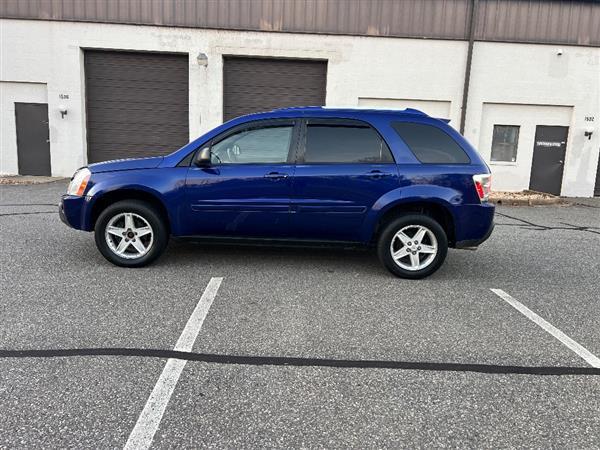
{"x":79,"y":182}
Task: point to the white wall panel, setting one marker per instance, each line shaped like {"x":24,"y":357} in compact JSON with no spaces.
{"x":435,"y":108}
{"x":514,"y":176}
{"x":532,"y":74}
{"x":387,"y":69}
{"x":9,"y":94}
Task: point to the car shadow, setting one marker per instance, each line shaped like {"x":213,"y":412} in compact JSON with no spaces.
{"x":331,"y":259}
{"x":459,"y":266}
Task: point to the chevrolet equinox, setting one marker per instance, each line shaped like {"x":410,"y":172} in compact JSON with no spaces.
{"x":401,"y":181}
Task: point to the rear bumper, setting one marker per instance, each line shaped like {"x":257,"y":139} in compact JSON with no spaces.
{"x":474,"y":224}
{"x":475,"y":242}
{"x":73,"y":210}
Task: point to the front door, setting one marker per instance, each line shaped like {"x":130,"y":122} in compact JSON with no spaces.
{"x":343,"y":167}
{"x":548,"y":159}
{"x":33,"y":142}
{"x":246,"y":191}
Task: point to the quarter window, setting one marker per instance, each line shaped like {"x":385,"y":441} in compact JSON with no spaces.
{"x":505,"y":141}
{"x":430,"y":144}
{"x":268,"y":145}
{"x":336,"y":143}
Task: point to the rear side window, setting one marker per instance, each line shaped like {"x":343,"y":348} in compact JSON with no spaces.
{"x":430,"y":144}
{"x":338,"y":143}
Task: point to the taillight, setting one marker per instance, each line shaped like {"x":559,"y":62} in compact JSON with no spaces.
{"x":483,"y":186}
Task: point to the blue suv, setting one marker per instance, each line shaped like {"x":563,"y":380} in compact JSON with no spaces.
{"x":401,"y":181}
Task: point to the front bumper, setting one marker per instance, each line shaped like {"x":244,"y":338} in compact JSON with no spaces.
{"x":73,"y":211}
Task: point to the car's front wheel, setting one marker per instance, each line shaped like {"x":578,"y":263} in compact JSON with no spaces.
{"x":131,"y":233}
{"x":412,"y":246}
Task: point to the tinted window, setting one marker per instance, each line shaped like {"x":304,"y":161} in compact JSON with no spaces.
{"x":185,"y":162}
{"x":504,"y":143}
{"x":258,"y":146}
{"x":345,"y":144}
{"x":430,"y":144}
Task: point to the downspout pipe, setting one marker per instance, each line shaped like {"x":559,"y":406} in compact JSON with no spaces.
{"x":465,"y":96}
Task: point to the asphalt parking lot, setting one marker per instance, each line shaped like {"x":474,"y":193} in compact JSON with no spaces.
{"x":299,"y":347}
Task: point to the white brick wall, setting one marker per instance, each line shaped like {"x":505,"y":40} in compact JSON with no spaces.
{"x":368,"y":67}
{"x":9,"y":94}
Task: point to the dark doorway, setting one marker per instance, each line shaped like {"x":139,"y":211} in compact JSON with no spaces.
{"x":262,"y":84}
{"x":548,"y":159}
{"x":137,"y":103}
{"x":597,"y":188}
{"x":33,"y":143}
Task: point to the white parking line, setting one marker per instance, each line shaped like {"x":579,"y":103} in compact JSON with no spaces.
{"x":142,"y":434}
{"x":589,"y":357}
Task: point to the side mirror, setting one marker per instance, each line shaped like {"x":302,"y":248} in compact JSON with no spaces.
{"x":202,"y":158}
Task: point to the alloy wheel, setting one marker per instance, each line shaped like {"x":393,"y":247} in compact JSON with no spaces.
{"x":129,"y":235}
{"x":414,"y":247}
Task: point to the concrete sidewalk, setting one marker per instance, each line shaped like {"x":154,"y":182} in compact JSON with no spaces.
{"x":593,"y":202}
{"x":531,"y":198}
{"x":28,"y":179}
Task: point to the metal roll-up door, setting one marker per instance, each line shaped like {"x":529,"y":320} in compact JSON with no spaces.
{"x":262,"y":84}
{"x":136,"y":104}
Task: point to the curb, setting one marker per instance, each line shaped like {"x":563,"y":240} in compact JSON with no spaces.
{"x":508,"y":201}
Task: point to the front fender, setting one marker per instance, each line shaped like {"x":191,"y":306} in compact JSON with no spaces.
{"x":446,"y":197}
{"x":165,"y":187}
{"x":100,"y":190}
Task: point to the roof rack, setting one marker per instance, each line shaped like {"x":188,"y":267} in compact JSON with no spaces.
{"x":352,"y":108}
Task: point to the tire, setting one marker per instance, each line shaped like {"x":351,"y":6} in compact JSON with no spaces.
{"x":140,"y":225}
{"x":425,"y":255}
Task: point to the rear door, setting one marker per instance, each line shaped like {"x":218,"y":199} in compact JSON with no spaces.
{"x":548,"y":159}
{"x":597,"y":187}
{"x":246,"y":191}
{"x":343,"y":167}
{"x":33,"y":141}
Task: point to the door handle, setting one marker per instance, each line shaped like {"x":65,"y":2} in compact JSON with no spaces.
{"x":276,"y":175}
{"x":378,"y":174}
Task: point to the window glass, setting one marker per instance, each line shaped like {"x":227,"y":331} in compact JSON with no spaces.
{"x":254,"y":146}
{"x":505,"y":141}
{"x":430,"y":144}
{"x":185,"y":162}
{"x":345,"y":144}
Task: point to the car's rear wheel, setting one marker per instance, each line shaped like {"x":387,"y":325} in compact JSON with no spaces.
{"x":412,"y":246}
{"x":131,"y":233}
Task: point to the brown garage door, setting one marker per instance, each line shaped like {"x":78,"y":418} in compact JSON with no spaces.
{"x":137,"y":104}
{"x":262,"y":84}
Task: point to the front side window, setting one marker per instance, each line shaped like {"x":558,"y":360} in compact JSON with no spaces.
{"x":268,"y":145}
{"x":430,"y":144}
{"x":505,"y":141}
{"x":333,"y":143}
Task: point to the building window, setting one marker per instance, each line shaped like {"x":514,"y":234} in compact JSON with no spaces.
{"x":505,"y":142}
